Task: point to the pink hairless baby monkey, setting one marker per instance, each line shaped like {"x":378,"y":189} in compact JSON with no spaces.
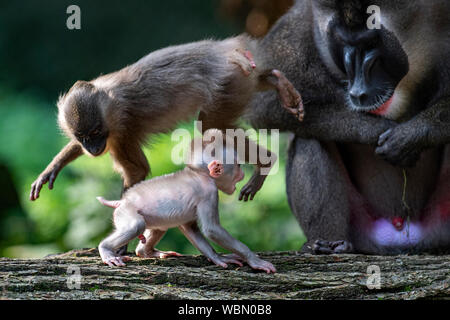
{"x":181,"y":199}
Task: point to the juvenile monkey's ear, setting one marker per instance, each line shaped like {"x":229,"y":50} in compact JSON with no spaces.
{"x":215,"y":168}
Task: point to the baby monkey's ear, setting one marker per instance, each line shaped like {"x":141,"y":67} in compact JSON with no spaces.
{"x":215,"y":168}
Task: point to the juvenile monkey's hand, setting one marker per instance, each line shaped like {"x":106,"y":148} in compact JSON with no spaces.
{"x":252,"y":187}
{"x":402,"y":145}
{"x":244,"y":60}
{"x":46,"y":176}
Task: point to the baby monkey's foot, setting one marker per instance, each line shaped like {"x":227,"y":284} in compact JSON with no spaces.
{"x":155,"y":253}
{"x":244,"y":60}
{"x":223,"y":260}
{"x":115,"y":261}
{"x":260,"y":264}
{"x":290,"y":97}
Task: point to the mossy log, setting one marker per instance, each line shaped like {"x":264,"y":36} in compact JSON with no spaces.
{"x":80,"y":274}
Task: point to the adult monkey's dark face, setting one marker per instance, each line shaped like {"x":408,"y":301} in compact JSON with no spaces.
{"x":379,"y":67}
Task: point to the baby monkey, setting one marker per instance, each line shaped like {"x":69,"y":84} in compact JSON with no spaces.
{"x":181,"y":199}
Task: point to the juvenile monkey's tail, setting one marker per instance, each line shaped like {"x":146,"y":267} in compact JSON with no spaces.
{"x":112,"y":204}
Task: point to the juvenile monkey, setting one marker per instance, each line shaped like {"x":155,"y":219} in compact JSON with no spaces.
{"x":180,"y":200}
{"x":117,"y":112}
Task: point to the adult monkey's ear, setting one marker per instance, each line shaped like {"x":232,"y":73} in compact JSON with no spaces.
{"x":215,"y":168}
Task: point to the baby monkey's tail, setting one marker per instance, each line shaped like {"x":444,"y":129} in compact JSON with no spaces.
{"x":112,"y":204}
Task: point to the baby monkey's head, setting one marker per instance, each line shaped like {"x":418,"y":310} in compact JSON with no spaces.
{"x":80,"y":116}
{"x":212,"y":156}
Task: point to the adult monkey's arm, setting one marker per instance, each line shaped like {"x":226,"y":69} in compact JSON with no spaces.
{"x":328,"y":122}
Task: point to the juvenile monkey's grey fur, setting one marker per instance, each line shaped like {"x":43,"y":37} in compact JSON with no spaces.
{"x":180,"y":200}
{"x":117,"y":112}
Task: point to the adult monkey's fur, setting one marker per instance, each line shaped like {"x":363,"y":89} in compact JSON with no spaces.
{"x":356,"y":180}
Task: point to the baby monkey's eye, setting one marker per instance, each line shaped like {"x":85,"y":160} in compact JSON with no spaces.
{"x":95,"y":132}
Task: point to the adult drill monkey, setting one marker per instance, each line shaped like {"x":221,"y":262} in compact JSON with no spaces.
{"x":366,"y":183}
{"x":118,"y":111}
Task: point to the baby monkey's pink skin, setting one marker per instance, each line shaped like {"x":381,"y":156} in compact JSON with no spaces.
{"x":179,"y":200}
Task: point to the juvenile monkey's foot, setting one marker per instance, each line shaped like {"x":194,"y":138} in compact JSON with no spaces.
{"x":116,"y":261}
{"x":224,"y":260}
{"x":330,"y":247}
{"x":252,"y":187}
{"x":244,"y":60}
{"x":291,"y":99}
{"x":260,"y":264}
{"x":157,"y":254}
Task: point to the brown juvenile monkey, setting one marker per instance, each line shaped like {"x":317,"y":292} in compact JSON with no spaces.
{"x":116,"y":112}
{"x":180,"y":200}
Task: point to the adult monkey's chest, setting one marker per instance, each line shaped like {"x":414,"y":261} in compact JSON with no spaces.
{"x":391,"y":191}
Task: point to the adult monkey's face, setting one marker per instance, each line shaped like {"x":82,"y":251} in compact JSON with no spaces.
{"x":381,"y":68}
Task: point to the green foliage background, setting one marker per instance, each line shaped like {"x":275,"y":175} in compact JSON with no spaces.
{"x":39,"y":58}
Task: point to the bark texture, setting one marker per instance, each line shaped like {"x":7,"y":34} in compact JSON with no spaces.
{"x":299,"y":276}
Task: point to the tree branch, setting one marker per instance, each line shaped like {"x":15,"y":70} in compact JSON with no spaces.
{"x":299,"y":276}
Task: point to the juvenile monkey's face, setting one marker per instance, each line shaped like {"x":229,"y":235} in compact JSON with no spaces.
{"x":93,"y":140}
{"x":81,"y":118}
{"x":231,"y":176}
